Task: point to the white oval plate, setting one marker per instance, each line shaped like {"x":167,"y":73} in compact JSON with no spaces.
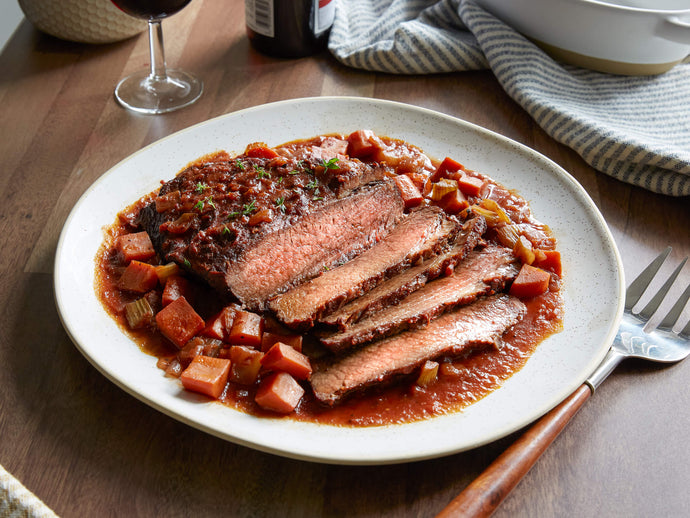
{"x":593,"y":289}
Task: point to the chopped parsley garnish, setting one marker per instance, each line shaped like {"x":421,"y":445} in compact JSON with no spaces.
{"x":238,"y":163}
{"x":294,"y":171}
{"x":317,"y":198}
{"x":280,"y":203}
{"x":187,"y":263}
{"x":233,"y":215}
{"x":226,"y":230}
{"x":313,"y":184}
{"x":248,"y":208}
{"x":262,"y":173}
{"x":200,"y":204}
{"x":200,"y":186}
{"x":330,"y":164}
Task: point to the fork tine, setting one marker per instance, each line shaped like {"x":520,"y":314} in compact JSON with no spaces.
{"x":639,"y":285}
{"x":673,"y":315}
{"x":653,"y":304}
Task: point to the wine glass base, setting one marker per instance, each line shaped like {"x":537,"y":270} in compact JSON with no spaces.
{"x":143,"y":93}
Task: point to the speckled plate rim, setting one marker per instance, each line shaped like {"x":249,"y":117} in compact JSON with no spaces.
{"x":561,"y":363}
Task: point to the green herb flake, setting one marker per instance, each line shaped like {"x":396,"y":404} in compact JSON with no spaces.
{"x":226,"y":230}
{"x":280,"y":203}
{"x":313,"y":184}
{"x":262,"y":173}
{"x":187,"y":263}
{"x":200,"y":186}
{"x":330,"y":164}
{"x":233,"y":215}
{"x":248,"y":208}
{"x":199,"y":205}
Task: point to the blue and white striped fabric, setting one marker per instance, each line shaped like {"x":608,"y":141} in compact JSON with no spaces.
{"x":636,"y":129}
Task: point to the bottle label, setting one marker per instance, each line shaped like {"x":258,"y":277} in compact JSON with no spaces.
{"x":325,"y":13}
{"x":259,"y":16}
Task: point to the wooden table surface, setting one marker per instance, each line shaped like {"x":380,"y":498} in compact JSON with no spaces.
{"x":87,"y":448}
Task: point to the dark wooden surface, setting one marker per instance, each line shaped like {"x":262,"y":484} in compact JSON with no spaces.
{"x":87,"y":448}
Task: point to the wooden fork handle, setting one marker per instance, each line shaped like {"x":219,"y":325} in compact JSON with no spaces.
{"x":488,"y":490}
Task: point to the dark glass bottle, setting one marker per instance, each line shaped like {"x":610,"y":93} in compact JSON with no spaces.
{"x":289,"y":28}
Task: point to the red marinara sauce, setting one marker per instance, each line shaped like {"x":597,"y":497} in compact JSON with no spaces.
{"x":460,"y":382}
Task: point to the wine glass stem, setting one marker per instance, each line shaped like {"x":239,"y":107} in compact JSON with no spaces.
{"x":157,"y":51}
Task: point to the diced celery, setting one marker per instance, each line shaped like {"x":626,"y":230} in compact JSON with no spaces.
{"x":428,"y":373}
{"x":139,"y":313}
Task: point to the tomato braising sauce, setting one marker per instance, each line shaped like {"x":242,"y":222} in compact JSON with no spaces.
{"x":218,"y":348}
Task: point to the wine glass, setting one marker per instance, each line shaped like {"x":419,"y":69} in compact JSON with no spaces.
{"x":158,"y":90}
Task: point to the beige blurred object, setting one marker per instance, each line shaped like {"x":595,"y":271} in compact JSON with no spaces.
{"x":84,"y":21}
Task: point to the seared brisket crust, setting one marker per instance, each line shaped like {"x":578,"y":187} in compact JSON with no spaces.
{"x":475,"y":326}
{"x":417,"y":236}
{"x":481,"y":273}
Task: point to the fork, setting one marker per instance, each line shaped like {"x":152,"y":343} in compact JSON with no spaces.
{"x":637,"y":337}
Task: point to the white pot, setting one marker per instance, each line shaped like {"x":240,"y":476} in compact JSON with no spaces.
{"x":633,"y":37}
{"x":84,"y":21}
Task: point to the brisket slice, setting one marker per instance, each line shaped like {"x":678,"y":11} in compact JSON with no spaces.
{"x":398,"y":287}
{"x":320,"y":240}
{"x":421,"y":234}
{"x":478,"y":325}
{"x":482,"y":272}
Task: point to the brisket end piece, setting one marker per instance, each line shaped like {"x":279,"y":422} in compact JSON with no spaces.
{"x":333,"y":234}
{"x":396,"y":288}
{"x":482,"y":272}
{"x":421,"y":234}
{"x":478,"y":325}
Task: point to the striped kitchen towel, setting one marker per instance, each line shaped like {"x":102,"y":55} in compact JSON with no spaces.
{"x":636,"y":129}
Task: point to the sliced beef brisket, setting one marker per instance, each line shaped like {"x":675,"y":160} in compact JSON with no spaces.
{"x":227,"y":219}
{"x":398,"y":287}
{"x":480,"y":273}
{"x":474,"y":326}
{"x":417,"y":236}
{"x":320,"y":240}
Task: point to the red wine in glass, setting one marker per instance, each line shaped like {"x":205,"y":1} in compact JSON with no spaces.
{"x":147,"y":9}
{"x":160,"y":89}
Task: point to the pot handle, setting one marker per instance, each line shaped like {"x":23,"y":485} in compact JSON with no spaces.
{"x":676,"y":29}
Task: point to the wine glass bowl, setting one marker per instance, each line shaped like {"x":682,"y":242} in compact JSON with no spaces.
{"x":160,"y":89}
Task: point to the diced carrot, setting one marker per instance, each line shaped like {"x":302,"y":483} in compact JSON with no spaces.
{"x":363,"y":143}
{"x":418,"y":179}
{"x":279,"y":392}
{"x":454,"y":202}
{"x":409,"y":192}
{"x":219,"y":325}
{"x":177,"y":286}
{"x":260,"y":150}
{"x":268,"y":339}
{"x":138,"y":277}
{"x":447,"y":166}
{"x":470,"y":185}
{"x":179,"y":322}
{"x":206,"y":375}
{"x":551,"y":261}
{"x":246,"y":364}
{"x":247,"y":329}
{"x":199,"y":346}
{"x":136,"y":246}
{"x":530,"y":282}
{"x":282,"y":357}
